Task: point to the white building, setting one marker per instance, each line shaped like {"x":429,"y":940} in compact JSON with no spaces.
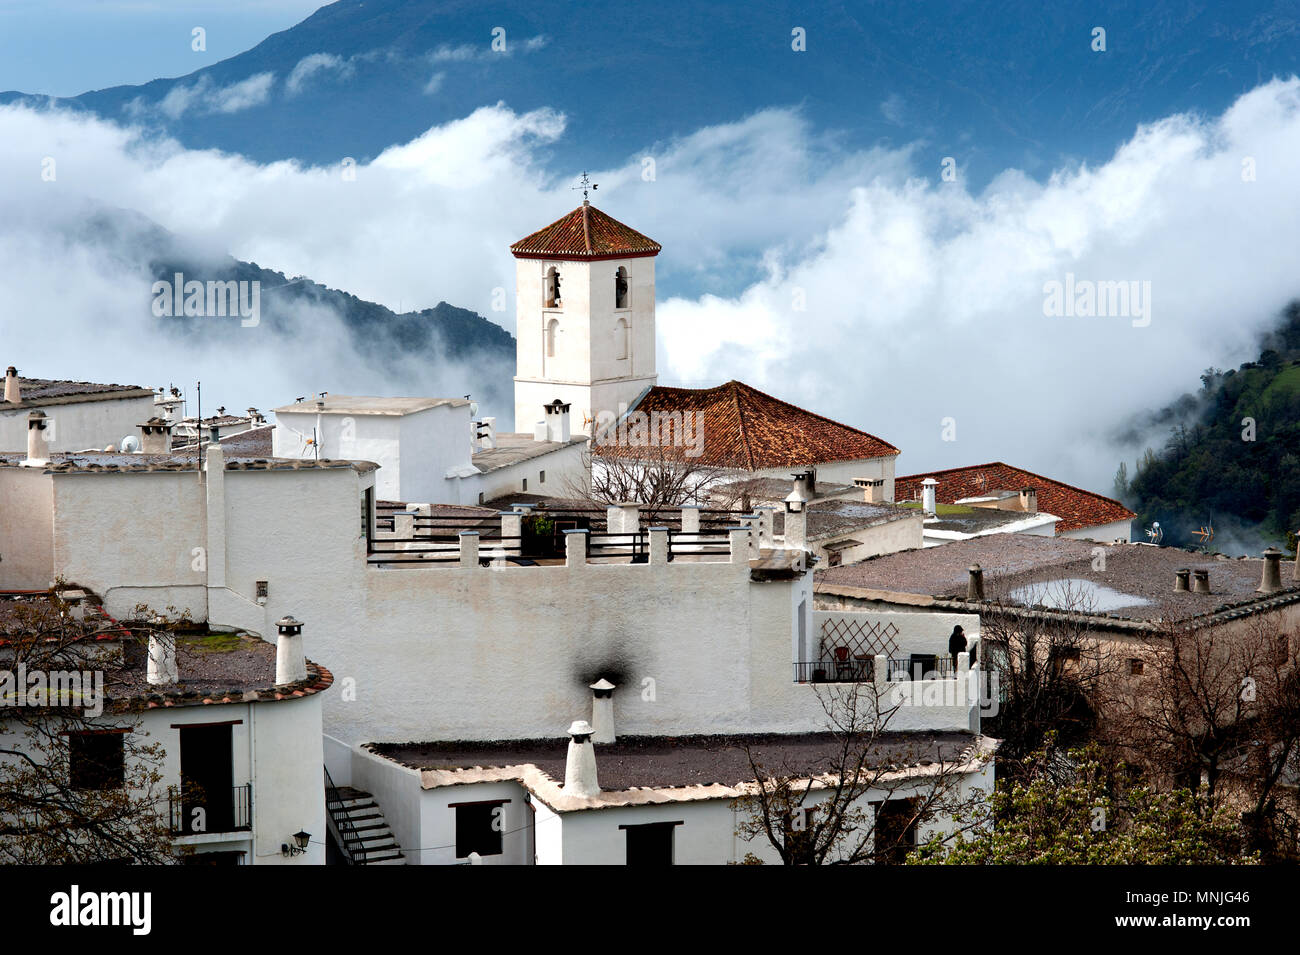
{"x":238,"y":721}
{"x":78,"y":414}
{"x":433,"y":450}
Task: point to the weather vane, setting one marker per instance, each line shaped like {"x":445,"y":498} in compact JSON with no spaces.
{"x":584,"y":183}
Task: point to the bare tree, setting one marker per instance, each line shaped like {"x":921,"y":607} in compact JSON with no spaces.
{"x":1220,"y":710}
{"x":861,"y":801}
{"x":1049,"y":665}
{"x":657,"y":478}
{"x":102,"y":805}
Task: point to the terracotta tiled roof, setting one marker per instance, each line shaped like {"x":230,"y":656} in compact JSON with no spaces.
{"x":1075,"y":507}
{"x":744,"y":428}
{"x":585,"y":233}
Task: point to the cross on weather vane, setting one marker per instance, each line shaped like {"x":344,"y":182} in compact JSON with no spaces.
{"x":584,"y":183}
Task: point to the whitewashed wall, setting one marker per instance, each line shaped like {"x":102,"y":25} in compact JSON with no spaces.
{"x":77,"y":426}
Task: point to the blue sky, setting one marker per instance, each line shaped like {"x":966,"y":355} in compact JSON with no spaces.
{"x":66,"y":47}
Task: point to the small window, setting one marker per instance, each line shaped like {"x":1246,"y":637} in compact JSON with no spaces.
{"x":525,"y":483}
{"x":1135,"y":666}
{"x":480,"y":497}
{"x":621,"y":288}
{"x":479,"y":826}
{"x":651,"y":843}
{"x":541,"y":477}
{"x":832,"y":558}
{"x":96,"y":760}
{"x":798,"y":826}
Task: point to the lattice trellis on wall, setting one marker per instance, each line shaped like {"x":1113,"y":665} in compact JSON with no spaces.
{"x":863,"y":638}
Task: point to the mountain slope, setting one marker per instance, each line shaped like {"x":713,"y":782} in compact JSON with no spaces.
{"x":1232,"y":459}
{"x":1014,"y":83}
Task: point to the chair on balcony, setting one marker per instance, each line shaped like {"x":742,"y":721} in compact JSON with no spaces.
{"x":844,"y":667}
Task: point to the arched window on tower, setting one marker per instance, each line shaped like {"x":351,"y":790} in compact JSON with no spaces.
{"x":552,"y":332}
{"x":551,"y":289}
{"x":621,"y":288}
{"x":620,"y":338}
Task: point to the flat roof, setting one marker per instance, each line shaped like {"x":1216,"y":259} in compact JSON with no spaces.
{"x":658,"y":762}
{"x":369,"y":405}
{"x":118,"y":462}
{"x":513,"y":448}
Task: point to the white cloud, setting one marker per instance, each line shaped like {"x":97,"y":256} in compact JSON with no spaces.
{"x":923,"y":301}
{"x":204,"y":96}
{"x":311,"y":66}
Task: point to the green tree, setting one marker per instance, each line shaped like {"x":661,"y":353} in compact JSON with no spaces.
{"x":1077,"y":809}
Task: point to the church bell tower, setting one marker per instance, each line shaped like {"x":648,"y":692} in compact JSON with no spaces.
{"x":585,"y":311}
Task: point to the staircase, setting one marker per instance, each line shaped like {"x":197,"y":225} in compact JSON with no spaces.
{"x":357,"y":825}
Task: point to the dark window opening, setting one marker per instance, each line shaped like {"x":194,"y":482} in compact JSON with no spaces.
{"x":895,"y":830}
{"x":651,"y":843}
{"x":552,"y":289}
{"x":541,"y":477}
{"x":620,"y":288}
{"x":1135,"y":666}
{"x":479,"y":826}
{"x":97,"y":760}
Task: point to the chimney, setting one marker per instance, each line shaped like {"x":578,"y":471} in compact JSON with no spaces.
{"x":161,"y":668}
{"x":1200,"y":581}
{"x":928,"y":506}
{"x":873,"y":492}
{"x":38,"y":447}
{"x":602,"y":711}
{"x":1181,"y":576}
{"x":12,"y":392}
{"x":1029,"y":500}
{"x":290,"y":664}
{"x":485,"y":434}
{"x":1271,"y":581}
{"x":557,"y":420}
{"x":975,"y":583}
{"x":156,"y":436}
{"x":580,"y":767}
{"x":796,"y":515}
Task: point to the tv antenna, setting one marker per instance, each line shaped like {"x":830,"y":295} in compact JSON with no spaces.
{"x":584,"y":184}
{"x":1155,"y":533}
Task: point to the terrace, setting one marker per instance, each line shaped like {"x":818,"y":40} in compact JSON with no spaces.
{"x":540,"y":534}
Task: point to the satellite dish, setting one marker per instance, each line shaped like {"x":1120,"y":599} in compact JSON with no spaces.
{"x":130,"y":444}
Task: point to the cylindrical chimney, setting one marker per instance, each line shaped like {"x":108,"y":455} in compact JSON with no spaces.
{"x":975,"y":583}
{"x":12,"y":392}
{"x":290,"y":664}
{"x":161,"y":669}
{"x":580,"y":767}
{"x":1200,"y":581}
{"x":38,"y":446}
{"x":602,"y":711}
{"x":1181,"y":577}
{"x":928,"y":505}
{"x":1271,"y":581}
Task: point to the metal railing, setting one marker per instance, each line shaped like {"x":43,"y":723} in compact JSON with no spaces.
{"x":194,"y":813}
{"x":441,"y":544}
{"x":921,"y":666}
{"x":353,"y":848}
{"x":855,"y":670}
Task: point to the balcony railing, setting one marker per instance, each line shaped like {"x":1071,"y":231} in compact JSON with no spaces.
{"x":861,"y":668}
{"x":225,"y":811}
